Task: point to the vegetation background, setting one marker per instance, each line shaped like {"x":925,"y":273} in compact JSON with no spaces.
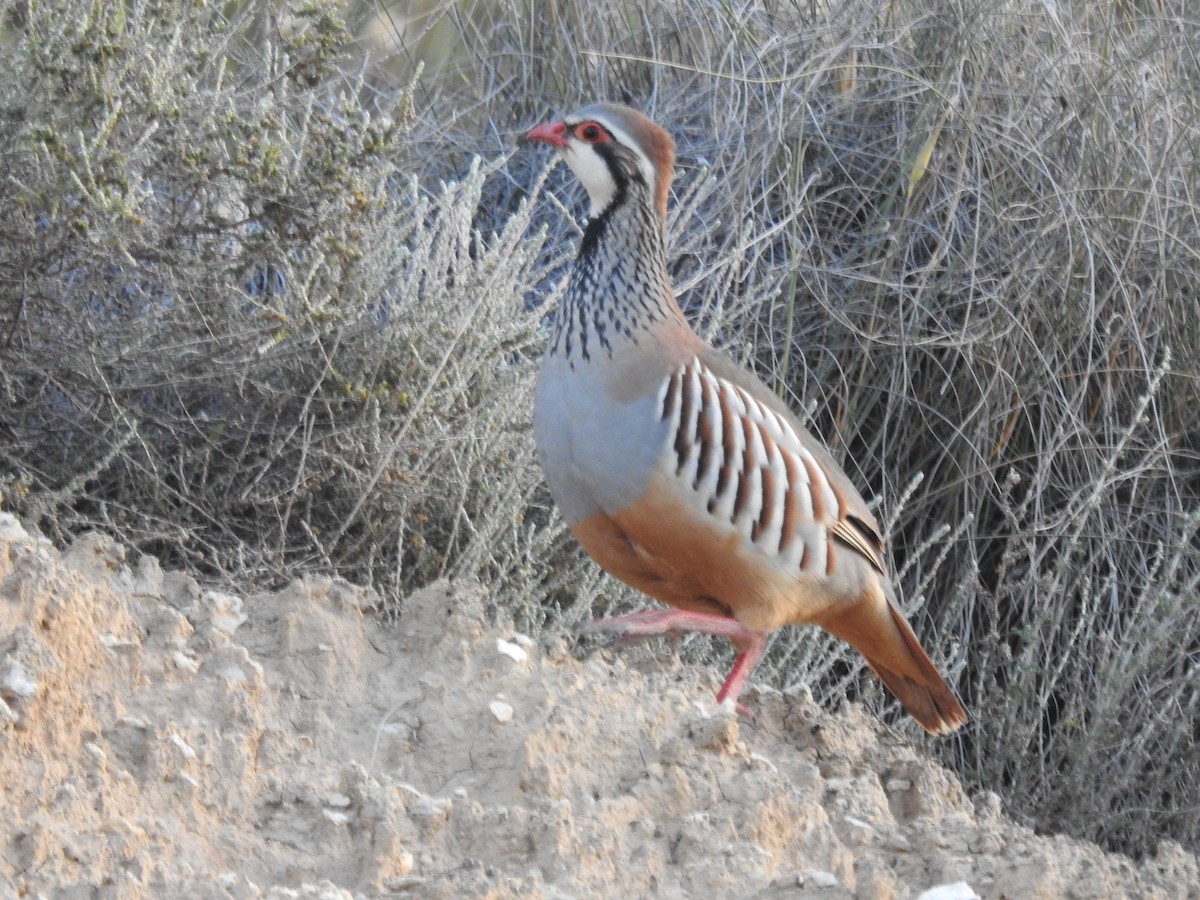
{"x":274,"y":281}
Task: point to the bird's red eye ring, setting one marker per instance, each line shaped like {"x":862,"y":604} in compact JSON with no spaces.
{"x":591,"y":132}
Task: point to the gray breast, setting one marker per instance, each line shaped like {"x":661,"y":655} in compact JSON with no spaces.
{"x":599,"y":453}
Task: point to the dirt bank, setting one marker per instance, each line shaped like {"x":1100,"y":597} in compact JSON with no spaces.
{"x":161,"y":740}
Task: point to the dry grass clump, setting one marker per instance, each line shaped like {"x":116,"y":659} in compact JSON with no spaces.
{"x":259,"y":314}
{"x":238,"y":332}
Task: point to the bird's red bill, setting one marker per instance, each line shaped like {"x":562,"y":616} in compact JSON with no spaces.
{"x":552,"y":133}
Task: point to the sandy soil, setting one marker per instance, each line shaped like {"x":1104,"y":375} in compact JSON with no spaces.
{"x":158,"y":739}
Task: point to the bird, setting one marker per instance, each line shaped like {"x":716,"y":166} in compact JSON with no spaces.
{"x":677,"y":469}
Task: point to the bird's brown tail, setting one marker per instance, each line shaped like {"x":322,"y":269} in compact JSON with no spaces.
{"x":880,"y":633}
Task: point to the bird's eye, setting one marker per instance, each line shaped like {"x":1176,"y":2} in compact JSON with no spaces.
{"x":591,"y":132}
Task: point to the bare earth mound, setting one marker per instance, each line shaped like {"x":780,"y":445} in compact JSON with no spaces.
{"x":160,"y":740}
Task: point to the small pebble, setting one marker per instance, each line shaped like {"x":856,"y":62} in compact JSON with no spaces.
{"x":513,"y":651}
{"x":501,"y":710}
{"x":959,"y":890}
{"x":818,"y":878}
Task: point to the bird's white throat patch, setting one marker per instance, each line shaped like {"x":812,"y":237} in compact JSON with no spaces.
{"x":593,"y":173}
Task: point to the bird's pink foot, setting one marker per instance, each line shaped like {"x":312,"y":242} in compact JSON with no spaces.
{"x":675,"y":621}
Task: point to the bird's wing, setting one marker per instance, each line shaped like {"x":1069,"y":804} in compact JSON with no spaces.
{"x":749,"y":463}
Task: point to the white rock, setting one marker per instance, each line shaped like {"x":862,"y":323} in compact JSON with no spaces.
{"x":513,"y":651}
{"x":501,"y":710}
{"x":15,"y":682}
{"x":818,"y":878}
{"x":858,"y":823}
{"x":959,"y":890}
{"x":184,"y":747}
{"x":112,"y":642}
{"x":10,"y":528}
{"x":402,"y":863}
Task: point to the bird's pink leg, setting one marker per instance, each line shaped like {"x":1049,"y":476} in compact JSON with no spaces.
{"x":742,"y":667}
{"x":670,"y":621}
{"x":673,"y":621}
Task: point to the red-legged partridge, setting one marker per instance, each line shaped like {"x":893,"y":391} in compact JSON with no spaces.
{"x":678,"y":470}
